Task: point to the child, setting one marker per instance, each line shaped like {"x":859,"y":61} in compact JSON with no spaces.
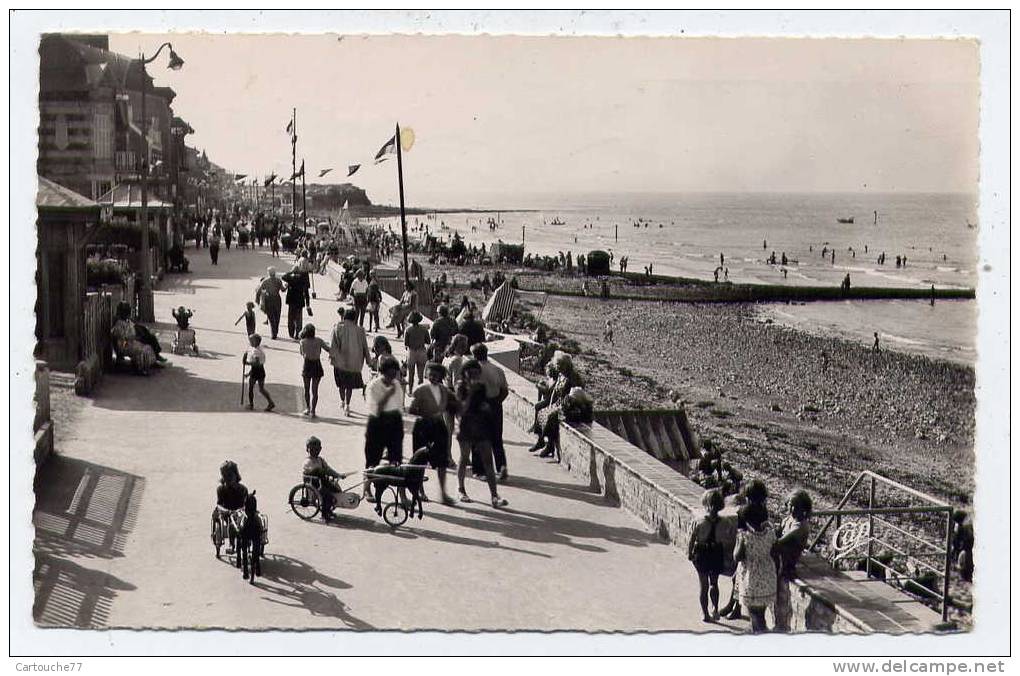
{"x":255,"y":357}
{"x":248,"y":316}
{"x":230,"y":495}
{"x":607,"y":335}
{"x":756,"y":564}
{"x":706,"y":553}
{"x":182,"y":315}
{"x":311,"y":349}
{"x":317,"y":467}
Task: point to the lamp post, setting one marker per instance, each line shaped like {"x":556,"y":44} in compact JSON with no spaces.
{"x":146,"y":313}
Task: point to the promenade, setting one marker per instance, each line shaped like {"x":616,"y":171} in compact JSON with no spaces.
{"x":123,"y":509}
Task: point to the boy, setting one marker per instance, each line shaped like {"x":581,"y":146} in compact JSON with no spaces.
{"x":255,"y":357}
{"x":182,"y":315}
{"x":607,"y":335}
{"x":248,"y":316}
{"x":317,"y":467}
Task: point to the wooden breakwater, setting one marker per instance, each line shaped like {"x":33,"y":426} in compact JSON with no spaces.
{"x":644,"y":288}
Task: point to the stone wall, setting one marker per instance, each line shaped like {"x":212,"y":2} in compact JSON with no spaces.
{"x":822,"y":599}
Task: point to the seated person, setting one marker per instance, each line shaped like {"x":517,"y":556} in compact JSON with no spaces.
{"x":230,"y":496}
{"x":318,"y":468}
{"x":176,"y":259}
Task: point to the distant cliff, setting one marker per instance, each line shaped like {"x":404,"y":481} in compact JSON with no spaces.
{"x":330,"y":197}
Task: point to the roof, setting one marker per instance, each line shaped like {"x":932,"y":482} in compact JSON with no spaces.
{"x":55,"y":196}
{"x":127,"y":196}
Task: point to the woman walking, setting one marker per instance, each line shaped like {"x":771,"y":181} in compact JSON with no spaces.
{"x":269,"y":299}
{"x":311,"y":348}
{"x":475,"y":432}
{"x":705,"y":551}
{"x":348,"y":351}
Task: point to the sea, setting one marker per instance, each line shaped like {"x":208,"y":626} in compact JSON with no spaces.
{"x":735,"y":234}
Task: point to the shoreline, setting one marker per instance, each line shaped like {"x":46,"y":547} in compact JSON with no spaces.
{"x":790,"y":406}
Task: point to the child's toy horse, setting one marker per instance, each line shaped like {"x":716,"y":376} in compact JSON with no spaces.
{"x":410,"y":476}
{"x":252,"y":535}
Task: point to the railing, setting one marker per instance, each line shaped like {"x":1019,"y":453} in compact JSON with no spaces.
{"x":909,"y":544}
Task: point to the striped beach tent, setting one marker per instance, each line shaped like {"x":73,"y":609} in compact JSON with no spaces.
{"x":501,"y":304}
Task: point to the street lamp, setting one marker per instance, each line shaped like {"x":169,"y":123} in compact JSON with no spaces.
{"x":146,"y":313}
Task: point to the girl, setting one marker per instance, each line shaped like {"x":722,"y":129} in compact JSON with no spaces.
{"x":311,"y":373}
{"x":255,"y":357}
{"x":706,"y":553}
{"x":756,"y":564}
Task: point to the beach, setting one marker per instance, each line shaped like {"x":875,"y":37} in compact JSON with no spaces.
{"x":793,"y":407}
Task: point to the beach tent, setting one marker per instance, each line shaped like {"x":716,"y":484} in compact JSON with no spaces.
{"x":501,"y":304}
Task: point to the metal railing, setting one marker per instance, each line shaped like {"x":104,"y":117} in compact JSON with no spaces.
{"x":886,"y":537}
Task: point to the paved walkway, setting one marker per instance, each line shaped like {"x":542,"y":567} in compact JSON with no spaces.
{"x":123,"y":510}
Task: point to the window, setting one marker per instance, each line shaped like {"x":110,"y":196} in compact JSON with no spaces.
{"x":102,"y":136}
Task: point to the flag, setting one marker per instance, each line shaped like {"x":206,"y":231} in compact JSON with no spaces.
{"x":352,"y":168}
{"x":389,"y":148}
{"x":238,"y":177}
{"x":290,"y":129}
{"x":325,"y":171}
{"x":300,"y":172}
{"x":501,"y":304}
{"x":270,"y":179}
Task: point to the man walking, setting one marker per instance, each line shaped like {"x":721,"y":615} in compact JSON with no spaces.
{"x":496,"y":390}
{"x":297,"y":299}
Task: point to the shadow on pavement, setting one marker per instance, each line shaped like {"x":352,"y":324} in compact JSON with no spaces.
{"x":69,"y":595}
{"x":174,"y":389}
{"x":82,"y":510}
{"x":296,"y":584}
{"x":558,"y":490}
{"x":533,"y":527}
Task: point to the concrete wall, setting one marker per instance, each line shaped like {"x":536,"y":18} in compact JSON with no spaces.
{"x":822,"y":599}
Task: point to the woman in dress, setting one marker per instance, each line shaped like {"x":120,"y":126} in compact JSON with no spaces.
{"x":127,"y":343}
{"x":269,"y":299}
{"x":756,"y":564}
{"x":456,"y":355}
{"x":311,"y":373}
{"x":348,"y":350}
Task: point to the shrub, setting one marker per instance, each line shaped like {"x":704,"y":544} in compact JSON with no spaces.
{"x":99,"y":272}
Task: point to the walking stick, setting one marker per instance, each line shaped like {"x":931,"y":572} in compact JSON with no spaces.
{"x":244,"y":375}
{"x":312,"y":275}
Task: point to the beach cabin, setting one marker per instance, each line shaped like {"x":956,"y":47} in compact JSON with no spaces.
{"x":65,"y":220}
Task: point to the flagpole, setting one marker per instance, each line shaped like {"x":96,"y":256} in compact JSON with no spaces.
{"x":293,"y":169}
{"x":304,"y":204}
{"x":403,"y":221}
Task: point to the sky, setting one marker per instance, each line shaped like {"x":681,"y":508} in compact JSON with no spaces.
{"x":499,"y":117}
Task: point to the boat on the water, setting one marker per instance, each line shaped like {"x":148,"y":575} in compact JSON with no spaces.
{"x":845,"y":220}
{"x":557,"y":221}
